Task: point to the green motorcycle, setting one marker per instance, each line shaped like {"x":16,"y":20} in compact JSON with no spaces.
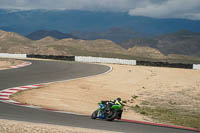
{"x":108,"y":110}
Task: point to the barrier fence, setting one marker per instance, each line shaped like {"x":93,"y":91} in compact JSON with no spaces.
{"x":103,"y":60}
{"x":196,"y":66}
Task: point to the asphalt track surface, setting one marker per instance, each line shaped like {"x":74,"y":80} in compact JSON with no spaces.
{"x":48,"y":71}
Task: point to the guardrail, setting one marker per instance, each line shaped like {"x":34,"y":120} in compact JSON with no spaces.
{"x":104,"y":60}
{"x":196,"y":66}
{"x":6,"y":55}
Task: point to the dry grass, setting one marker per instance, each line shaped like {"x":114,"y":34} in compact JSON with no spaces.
{"x":181,"y":117}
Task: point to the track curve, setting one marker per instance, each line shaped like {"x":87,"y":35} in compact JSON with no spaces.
{"x":49,"y":71}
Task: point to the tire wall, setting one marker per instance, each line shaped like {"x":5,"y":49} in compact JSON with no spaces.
{"x":165,"y":64}
{"x":68,"y":58}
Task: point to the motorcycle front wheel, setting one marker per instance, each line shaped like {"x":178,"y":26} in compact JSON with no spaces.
{"x":94,"y":114}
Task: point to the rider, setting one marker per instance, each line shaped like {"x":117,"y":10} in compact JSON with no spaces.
{"x":103,"y":105}
{"x":119,"y":102}
{"x":116,"y":101}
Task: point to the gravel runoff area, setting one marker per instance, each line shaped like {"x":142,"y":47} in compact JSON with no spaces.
{"x":5,"y":63}
{"x":166,"y":88}
{"x":10,"y":126}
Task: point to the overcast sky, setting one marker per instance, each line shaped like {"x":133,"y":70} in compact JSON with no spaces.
{"x":189,"y":9}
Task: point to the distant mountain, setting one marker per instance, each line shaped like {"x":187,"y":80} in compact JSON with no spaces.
{"x":67,"y":21}
{"x":115,"y":34}
{"x":37,"y":35}
{"x":182,"y":42}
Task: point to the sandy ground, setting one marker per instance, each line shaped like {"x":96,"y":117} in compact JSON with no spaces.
{"x":159,"y":86}
{"x":7,"y":126}
{"x":5,"y":63}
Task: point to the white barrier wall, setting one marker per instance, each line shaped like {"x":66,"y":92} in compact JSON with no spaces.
{"x":6,"y":55}
{"x":104,"y":60}
{"x":196,"y":66}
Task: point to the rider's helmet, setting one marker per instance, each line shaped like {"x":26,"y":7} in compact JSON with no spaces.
{"x":118,"y":99}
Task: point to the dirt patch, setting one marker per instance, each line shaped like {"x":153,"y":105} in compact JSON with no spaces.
{"x":5,"y":63}
{"x":7,"y":126}
{"x":137,"y":85}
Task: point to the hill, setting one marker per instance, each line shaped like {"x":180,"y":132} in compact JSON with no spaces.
{"x":146,"y":52}
{"x":11,"y":36}
{"x":14,"y":43}
{"x":115,"y":34}
{"x":182,"y":42}
{"x":37,"y":35}
{"x":46,"y":40}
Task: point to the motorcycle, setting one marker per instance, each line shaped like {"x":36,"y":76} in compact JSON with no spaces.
{"x":108,"y":111}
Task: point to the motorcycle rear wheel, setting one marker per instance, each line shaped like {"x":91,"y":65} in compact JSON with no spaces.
{"x":111,"y":115}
